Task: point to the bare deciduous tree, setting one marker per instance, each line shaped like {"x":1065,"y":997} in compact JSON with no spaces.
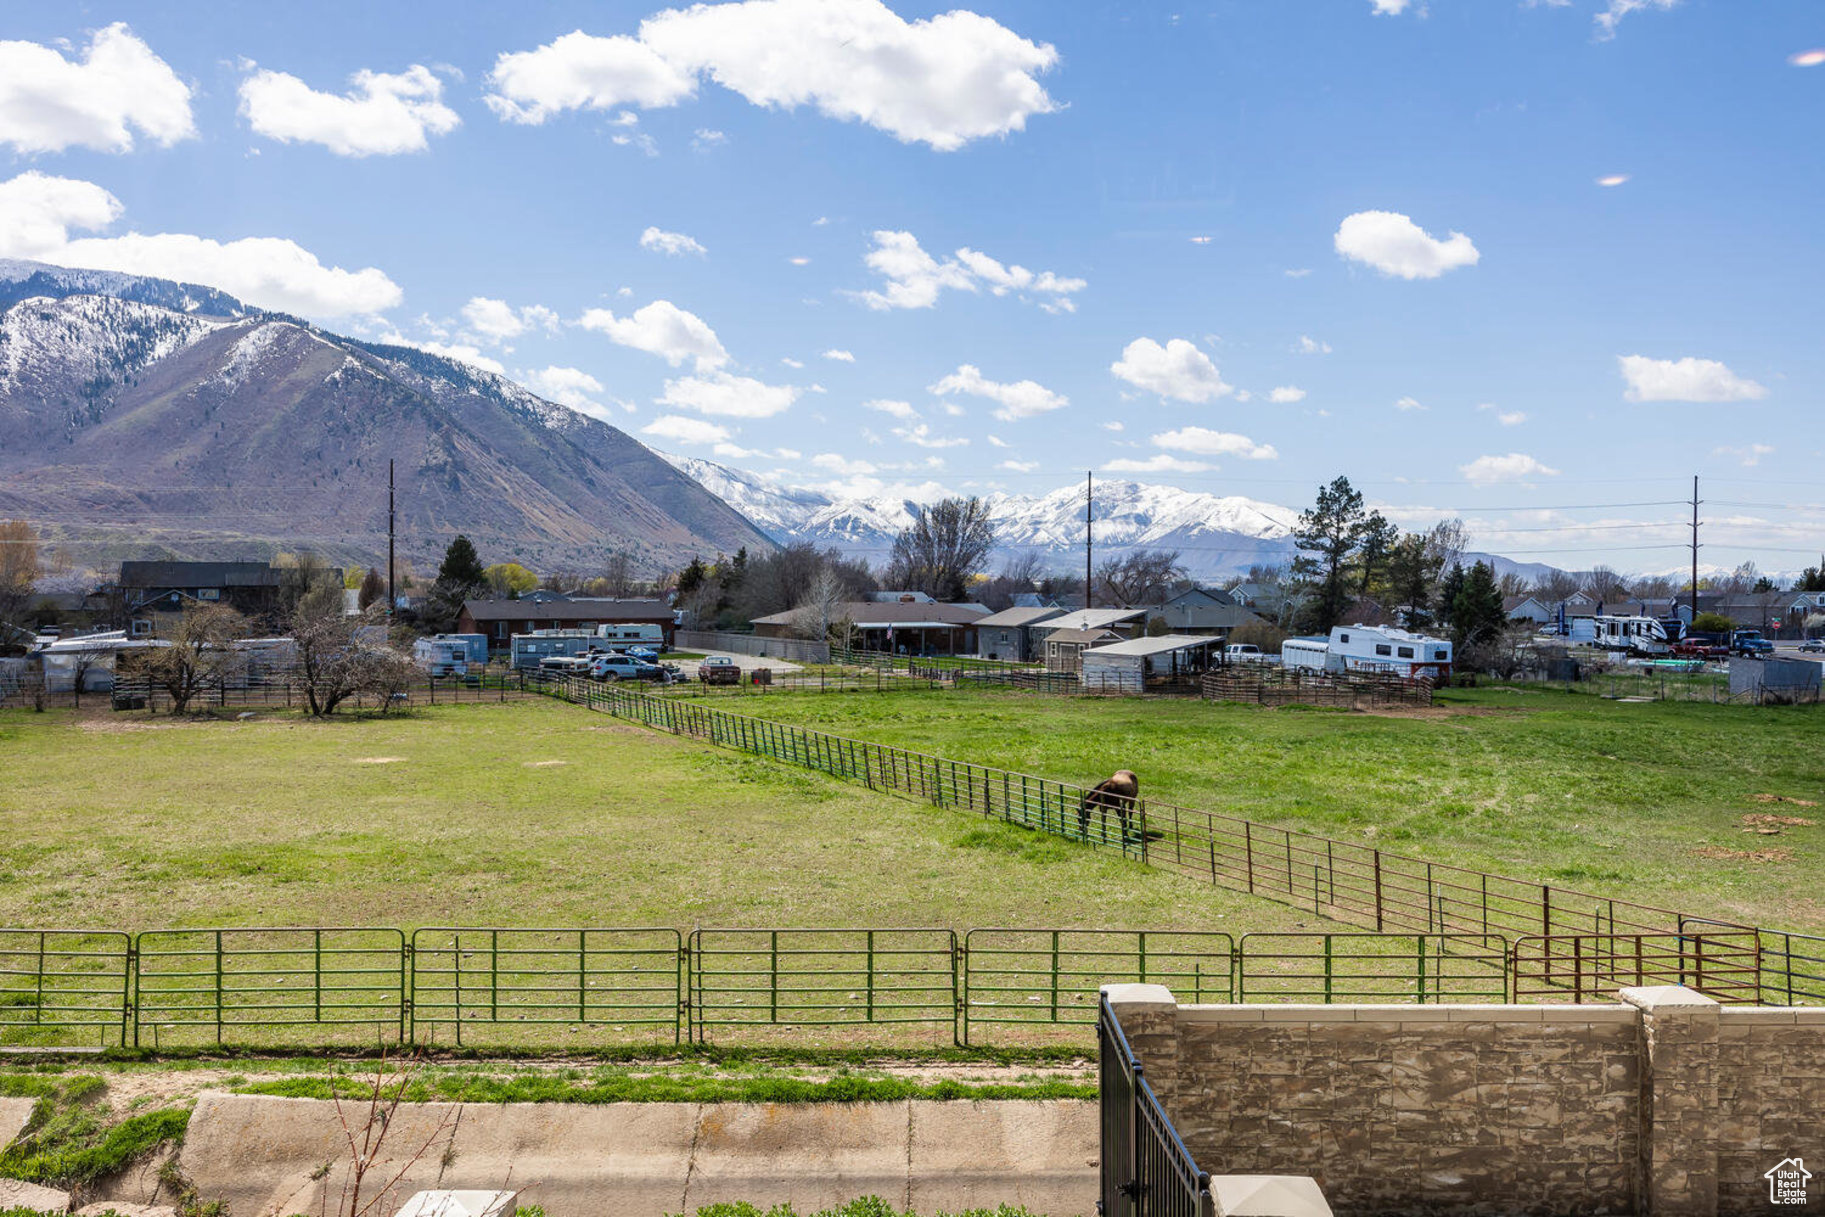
{"x":1141,"y":576}
{"x":336,"y":662}
{"x":942,"y":549}
{"x":199,"y":653}
{"x":821,"y":609}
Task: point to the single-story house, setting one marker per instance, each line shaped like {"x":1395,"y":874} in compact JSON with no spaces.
{"x":1128,"y":666}
{"x":151,"y":588}
{"x":1009,"y":634}
{"x":1125,"y":622}
{"x":1528,"y":608}
{"x":1064,"y":648}
{"x":1202,"y":610}
{"x":900,"y":627}
{"x":500,"y":620}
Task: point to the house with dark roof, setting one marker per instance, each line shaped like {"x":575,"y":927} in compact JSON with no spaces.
{"x":500,"y":620}
{"x":902,"y":627}
{"x":151,"y":589}
{"x":1065,"y":648}
{"x":1204,"y":611}
{"x":1010,"y":635}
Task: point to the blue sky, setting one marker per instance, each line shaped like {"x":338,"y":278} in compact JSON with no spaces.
{"x":1395,"y":218}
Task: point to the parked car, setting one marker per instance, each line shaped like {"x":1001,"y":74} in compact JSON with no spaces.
{"x":1813,"y":644}
{"x":565,"y":665}
{"x":1699,"y":648}
{"x":624,"y":667}
{"x":719,"y":670}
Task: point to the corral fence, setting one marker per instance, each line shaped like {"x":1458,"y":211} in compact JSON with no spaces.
{"x":1272,"y":685}
{"x":1143,"y":1167}
{"x":795,"y":650}
{"x":276,"y":691}
{"x":523,"y":987}
{"x":1339,"y":880}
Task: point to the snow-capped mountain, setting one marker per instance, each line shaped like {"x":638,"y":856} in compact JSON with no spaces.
{"x":141,"y":417}
{"x":1215,"y":534}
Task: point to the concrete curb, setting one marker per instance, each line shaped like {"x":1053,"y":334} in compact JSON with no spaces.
{"x":260,"y":1153}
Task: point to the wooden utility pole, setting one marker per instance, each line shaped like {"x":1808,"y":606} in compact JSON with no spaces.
{"x":1695,"y":500}
{"x":392,"y":595}
{"x":1089,"y":530}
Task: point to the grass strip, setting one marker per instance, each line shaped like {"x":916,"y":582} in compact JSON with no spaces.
{"x":470,"y":1088}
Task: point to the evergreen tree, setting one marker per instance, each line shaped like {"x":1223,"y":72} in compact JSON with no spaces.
{"x":1412,"y":570}
{"x":1329,"y":535}
{"x":461,"y":567}
{"x":1476,"y":609}
{"x":1378,"y":540}
{"x":691,"y":578}
{"x":1448,"y":589}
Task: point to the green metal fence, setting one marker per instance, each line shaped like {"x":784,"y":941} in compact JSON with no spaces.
{"x":57,"y":982}
{"x":1050,"y":977}
{"x":480,"y":982}
{"x":1344,"y":881}
{"x":799,"y":978}
{"x":572,"y":986}
{"x":345,"y":981}
{"x":1373,"y":968}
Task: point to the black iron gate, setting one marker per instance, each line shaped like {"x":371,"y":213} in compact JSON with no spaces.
{"x":1145,"y":1169}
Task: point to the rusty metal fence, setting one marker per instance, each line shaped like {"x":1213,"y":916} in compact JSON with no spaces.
{"x":1343,"y":881}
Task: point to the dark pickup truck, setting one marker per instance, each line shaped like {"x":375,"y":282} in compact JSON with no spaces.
{"x":1750,"y":643}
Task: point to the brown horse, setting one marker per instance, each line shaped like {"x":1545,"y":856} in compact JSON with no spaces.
{"x":1117,"y":793}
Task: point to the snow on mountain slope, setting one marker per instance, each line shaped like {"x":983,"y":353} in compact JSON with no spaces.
{"x":1215,"y":534}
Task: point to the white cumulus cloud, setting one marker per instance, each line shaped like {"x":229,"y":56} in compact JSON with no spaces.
{"x":1409,"y":405}
{"x":583,"y":72}
{"x":1389,"y":8}
{"x":920,"y":435}
{"x":723,"y":394}
{"x":1514,"y":467}
{"x":681,"y":430}
{"x":1159,"y":463}
{"x":663,"y":329}
{"x":462,"y":352}
{"x":1286,"y":395}
{"x":901,"y":410}
{"x":38,"y":213}
{"x":1018,"y":400}
{"x":943,"y":81}
{"x":380,"y":115}
{"x":496,"y":321}
{"x":118,"y":87}
{"x":915,"y":279}
{"x":1201,"y":441}
{"x":1749,"y":454}
{"x":1612,"y":16}
{"x":1019,"y":466}
{"x":571,"y":387}
{"x":1178,"y":370}
{"x":1685,"y":379}
{"x":673,"y":244}
{"x":1394,"y":245}
{"x":839,"y":356}
{"x":1308,"y":345}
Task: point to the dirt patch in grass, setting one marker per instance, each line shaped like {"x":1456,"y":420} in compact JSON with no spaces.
{"x":1718,"y":853}
{"x":1771,"y":826}
{"x":379,"y":760}
{"x":1783,"y":798}
{"x":542,"y":764}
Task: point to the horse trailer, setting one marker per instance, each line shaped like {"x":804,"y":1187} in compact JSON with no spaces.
{"x":1384,"y":649}
{"x":1310,"y":654}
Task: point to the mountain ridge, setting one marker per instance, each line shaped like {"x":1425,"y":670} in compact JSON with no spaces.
{"x":142,"y":421}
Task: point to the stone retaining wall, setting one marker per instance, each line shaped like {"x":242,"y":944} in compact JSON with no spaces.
{"x":1662,"y":1103}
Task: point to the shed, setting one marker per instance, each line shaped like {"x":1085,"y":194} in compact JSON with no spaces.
{"x":1063,"y":647}
{"x":1009,"y":634}
{"x":901,"y":627}
{"x":1775,"y":680}
{"x":1128,"y":666}
{"x":1125,"y":621}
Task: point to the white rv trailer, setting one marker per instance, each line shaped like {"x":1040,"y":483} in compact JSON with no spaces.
{"x":1635,"y":635}
{"x":442,"y":656}
{"x":1308,"y":654}
{"x":1374,"y":648}
{"x":528,"y":649}
{"x":650,"y":633}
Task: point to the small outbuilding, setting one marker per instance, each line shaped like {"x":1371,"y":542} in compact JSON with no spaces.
{"x":1010,"y":634}
{"x":1129,"y":666}
{"x":1064,"y":648}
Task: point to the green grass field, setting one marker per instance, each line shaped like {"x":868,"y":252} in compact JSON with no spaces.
{"x":530,"y":813}
{"x":1637,"y":801}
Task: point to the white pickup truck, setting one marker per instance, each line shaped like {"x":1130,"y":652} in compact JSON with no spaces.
{"x":1243,"y":652}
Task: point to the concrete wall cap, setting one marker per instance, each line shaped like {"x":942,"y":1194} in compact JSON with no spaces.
{"x":1268,"y":1196}
{"x":1139,"y":995}
{"x":1654,"y":998}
